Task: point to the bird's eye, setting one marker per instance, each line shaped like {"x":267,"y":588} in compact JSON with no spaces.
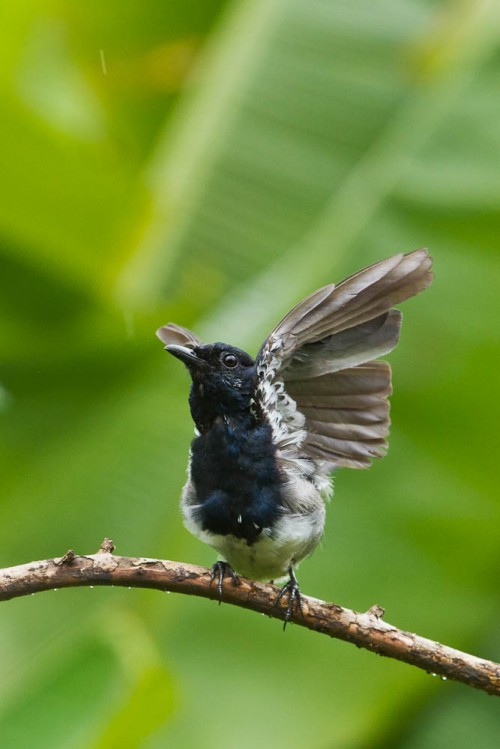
{"x":229,"y":360}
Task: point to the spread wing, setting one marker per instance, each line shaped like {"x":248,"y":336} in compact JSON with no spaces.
{"x":316,"y":373}
{"x":172,"y":333}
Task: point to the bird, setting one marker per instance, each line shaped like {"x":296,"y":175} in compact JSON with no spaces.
{"x":270,"y":431}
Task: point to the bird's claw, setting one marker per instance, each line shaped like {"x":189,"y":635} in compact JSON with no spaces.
{"x":292,"y":590}
{"x":220,"y":570}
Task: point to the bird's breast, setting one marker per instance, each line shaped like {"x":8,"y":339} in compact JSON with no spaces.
{"x":292,"y":534}
{"x":236,"y":480}
{"x":260,"y":512}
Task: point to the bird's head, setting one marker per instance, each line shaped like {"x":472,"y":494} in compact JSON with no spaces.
{"x":222,"y":380}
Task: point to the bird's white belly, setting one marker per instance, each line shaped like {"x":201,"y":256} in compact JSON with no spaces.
{"x":293,"y":536}
{"x":270,"y":557}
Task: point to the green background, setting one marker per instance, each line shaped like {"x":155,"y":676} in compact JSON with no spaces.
{"x":209,"y":163}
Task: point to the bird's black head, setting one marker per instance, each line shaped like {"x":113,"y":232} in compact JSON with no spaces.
{"x":222,"y":378}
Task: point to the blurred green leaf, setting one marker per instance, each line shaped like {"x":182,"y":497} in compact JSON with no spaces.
{"x":146,"y":700}
{"x":57,"y":706}
{"x":147,"y":708}
{"x":209,"y":163}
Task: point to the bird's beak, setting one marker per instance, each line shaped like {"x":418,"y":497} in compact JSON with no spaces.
{"x":186,"y":355}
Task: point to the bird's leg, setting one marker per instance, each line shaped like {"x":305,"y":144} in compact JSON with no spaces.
{"x":292,"y":590}
{"x":220,"y":570}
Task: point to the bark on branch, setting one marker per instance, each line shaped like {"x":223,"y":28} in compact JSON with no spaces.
{"x":366,"y":630}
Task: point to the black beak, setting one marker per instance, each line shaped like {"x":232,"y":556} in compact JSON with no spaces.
{"x":186,"y":355}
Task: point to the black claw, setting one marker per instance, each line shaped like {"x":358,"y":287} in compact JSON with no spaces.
{"x":292,"y":590}
{"x":221,"y":570}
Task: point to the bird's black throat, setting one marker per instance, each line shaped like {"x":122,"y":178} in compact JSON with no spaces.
{"x":211,"y":400}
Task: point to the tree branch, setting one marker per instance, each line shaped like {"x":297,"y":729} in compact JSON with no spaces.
{"x":366,"y":630}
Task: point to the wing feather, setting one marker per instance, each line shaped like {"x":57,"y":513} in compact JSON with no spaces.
{"x":351,"y":425}
{"x":317,"y":373}
{"x":361,"y":297}
{"x":172,"y":333}
{"x":369,"y":340}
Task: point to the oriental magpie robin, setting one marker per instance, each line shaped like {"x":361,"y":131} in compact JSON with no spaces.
{"x":270,"y":431}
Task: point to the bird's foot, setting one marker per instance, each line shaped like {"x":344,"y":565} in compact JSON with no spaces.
{"x":220,"y":570}
{"x":292,"y":591}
